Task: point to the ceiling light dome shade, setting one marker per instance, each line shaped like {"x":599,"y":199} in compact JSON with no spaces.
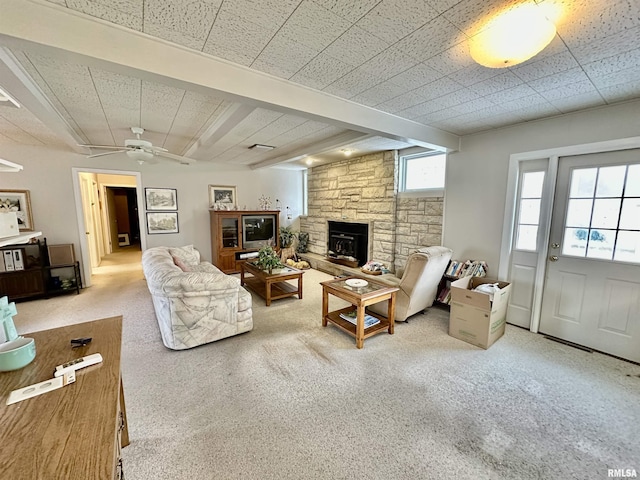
{"x":139,"y":156}
{"x":512,"y":37}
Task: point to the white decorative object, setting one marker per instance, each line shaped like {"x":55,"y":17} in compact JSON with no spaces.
{"x":264,"y":203}
{"x":356,"y":282}
{"x":9,"y":224}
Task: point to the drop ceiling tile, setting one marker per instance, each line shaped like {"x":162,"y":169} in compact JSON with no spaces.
{"x":127,"y":13}
{"x":589,"y":21}
{"x":281,"y":71}
{"x":434,"y":37}
{"x":474,"y":74}
{"x":270,"y":14}
{"x":535,"y":69}
{"x":502,"y":81}
{"x":578,"y":102}
{"x":159,"y":105}
{"x":173,"y":36}
{"x":185,"y":22}
{"x":620,"y":92}
{"x":401,"y":102}
{"x":628,"y":75}
{"x":55,"y":68}
{"x":452,"y":59}
{"x":437,"y":88}
{"x":356,"y":46}
{"x":321,"y":71}
{"x":534,"y":112}
{"x":314,"y":26}
{"x":559,"y":80}
{"x":458,"y":97}
{"x":524,"y":102}
{"x":379,"y":94}
{"x":421,"y":109}
{"x":351,"y":10}
{"x":392,"y":20}
{"x":569,"y":89}
{"x":15,"y":132}
{"x":611,"y":65}
{"x":388,"y":63}
{"x":235,"y":39}
{"x":608,"y":47}
{"x":416,"y":76}
{"x":442,"y":5}
{"x":470,"y":15}
{"x":355,"y":82}
{"x":58,"y":2}
{"x":510,"y":94}
{"x":286,"y":54}
{"x":278,"y":127}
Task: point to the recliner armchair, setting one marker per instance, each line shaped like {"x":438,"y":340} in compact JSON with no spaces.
{"x":419,"y":282}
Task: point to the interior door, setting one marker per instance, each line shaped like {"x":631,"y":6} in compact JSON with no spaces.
{"x":87,"y":211}
{"x":592,"y":289}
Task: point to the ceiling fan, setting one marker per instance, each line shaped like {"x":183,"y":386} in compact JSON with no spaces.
{"x":140,"y":150}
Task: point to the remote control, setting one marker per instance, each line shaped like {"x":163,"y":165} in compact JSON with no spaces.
{"x":77,"y":364}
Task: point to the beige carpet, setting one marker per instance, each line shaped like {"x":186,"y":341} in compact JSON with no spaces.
{"x":294,"y":400}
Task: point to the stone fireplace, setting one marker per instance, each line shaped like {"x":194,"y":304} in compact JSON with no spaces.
{"x":348,"y":241}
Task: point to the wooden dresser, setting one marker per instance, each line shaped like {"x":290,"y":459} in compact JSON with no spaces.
{"x":74,"y":432}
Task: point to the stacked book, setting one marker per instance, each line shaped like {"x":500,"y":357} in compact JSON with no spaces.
{"x":352,"y":316}
{"x":473,"y":268}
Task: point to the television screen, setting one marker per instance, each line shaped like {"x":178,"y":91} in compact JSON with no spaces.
{"x":258,"y":230}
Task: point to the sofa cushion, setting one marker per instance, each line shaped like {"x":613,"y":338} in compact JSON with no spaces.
{"x":180,"y":264}
{"x":188,"y":254}
{"x":205,"y":267}
{"x":244,"y":300}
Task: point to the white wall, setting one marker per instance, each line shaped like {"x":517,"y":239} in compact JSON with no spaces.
{"x":477,"y":174}
{"x":47,"y":175}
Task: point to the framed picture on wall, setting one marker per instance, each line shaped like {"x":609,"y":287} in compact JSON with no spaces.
{"x":18,"y":201}
{"x":162,"y":222}
{"x":222,"y":197}
{"x":161,"y":198}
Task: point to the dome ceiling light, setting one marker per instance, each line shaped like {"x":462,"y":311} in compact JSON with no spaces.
{"x":512,"y":37}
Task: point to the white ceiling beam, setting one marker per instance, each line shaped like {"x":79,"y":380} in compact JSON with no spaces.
{"x":317,"y":148}
{"x":75,"y":37}
{"x":29,"y":95}
{"x":226,"y":122}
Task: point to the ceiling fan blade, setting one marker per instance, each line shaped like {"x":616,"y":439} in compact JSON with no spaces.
{"x":105,"y":153}
{"x":155,"y":149}
{"x":177,"y":158}
{"x":104,"y":147}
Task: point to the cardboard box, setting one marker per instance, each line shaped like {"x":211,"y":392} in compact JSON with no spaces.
{"x":474,"y":318}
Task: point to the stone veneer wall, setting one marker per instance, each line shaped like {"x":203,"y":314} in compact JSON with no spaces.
{"x":364,"y":189}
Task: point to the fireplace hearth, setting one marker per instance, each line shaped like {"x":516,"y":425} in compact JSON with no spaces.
{"x":348,"y":243}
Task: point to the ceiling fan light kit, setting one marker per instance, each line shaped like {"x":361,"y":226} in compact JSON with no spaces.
{"x":142,"y":151}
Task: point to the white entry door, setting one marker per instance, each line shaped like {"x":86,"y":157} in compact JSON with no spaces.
{"x":592,"y":289}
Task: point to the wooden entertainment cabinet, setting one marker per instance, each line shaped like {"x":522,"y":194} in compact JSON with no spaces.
{"x":227,"y":249}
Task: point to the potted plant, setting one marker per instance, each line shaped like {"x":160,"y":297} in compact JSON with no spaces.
{"x":303,"y":241}
{"x":287,"y":236}
{"x":268,"y":259}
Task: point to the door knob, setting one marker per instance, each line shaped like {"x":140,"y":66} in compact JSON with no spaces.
{"x":553,"y":258}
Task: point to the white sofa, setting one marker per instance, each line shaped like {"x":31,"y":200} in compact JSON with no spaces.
{"x":195,"y":302}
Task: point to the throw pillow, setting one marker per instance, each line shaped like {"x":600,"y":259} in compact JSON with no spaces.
{"x":189,"y":255}
{"x":181,"y":265}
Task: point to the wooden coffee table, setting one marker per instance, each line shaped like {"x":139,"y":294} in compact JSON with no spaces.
{"x":271,"y":286}
{"x":361,"y":297}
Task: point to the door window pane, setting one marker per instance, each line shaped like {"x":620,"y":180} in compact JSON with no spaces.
{"x":532,"y":184}
{"x":527,"y":236}
{"x":530,"y":211}
{"x":605,"y":213}
{"x":579,"y":213}
{"x":575,"y":242}
{"x":628,"y":247}
{"x":610,"y":181}
{"x":630,"y":216}
{"x":601,"y":243}
{"x":632,"y":188}
{"x":583,"y":182}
